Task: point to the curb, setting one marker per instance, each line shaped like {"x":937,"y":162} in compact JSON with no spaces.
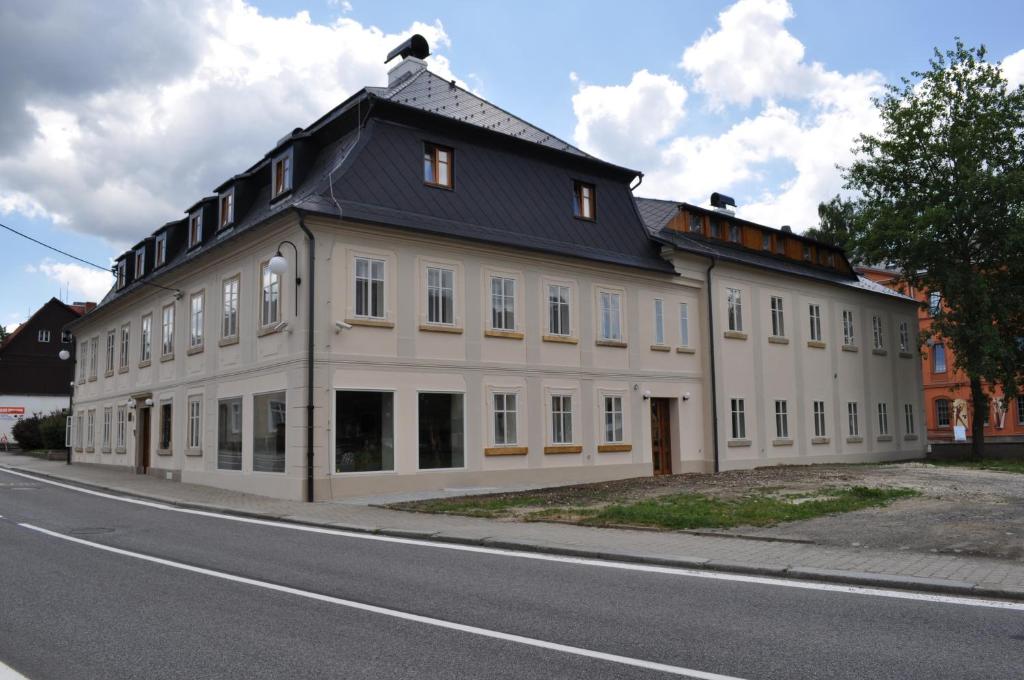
{"x":798,"y":573}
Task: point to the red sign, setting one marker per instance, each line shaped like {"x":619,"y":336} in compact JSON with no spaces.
{"x":12,"y":410}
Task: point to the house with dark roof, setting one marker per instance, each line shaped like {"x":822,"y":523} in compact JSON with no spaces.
{"x":421,"y":290}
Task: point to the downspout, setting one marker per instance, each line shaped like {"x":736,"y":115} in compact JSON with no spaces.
{"x":711,"y":349}
{"x":310,"y":348}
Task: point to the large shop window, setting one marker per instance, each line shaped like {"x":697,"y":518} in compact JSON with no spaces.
{"x":229,"y":434}
{"x":441,"y":431}
{"x":364,"y":438}
{"x":268,"y":422}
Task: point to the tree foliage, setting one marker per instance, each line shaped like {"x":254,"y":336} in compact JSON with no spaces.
{"x":837,"y":226}
{"x":941,"y":197}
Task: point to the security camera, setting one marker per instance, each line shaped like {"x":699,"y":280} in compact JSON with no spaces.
{"x":341,"y":326}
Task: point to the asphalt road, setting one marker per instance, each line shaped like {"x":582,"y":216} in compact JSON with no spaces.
{"x":98,"y":587}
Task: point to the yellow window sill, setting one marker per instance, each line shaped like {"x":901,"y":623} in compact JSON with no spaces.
{"x":370,"y":323}
{"x":735,"y":335}
{"x":568,"y":448}
{"x":438,"y":328}
{"x":508,"y":335}
{"x":564,"y":339}
{"x":506,"y":451}
{"x":614,"y":448}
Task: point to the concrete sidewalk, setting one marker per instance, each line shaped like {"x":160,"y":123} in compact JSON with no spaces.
{"x":952,"y":574}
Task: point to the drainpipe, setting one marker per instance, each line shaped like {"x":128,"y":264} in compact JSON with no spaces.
{"x":711,"y":349}
{"x":310,"y":348}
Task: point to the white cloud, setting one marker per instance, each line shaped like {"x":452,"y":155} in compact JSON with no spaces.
{"x":83,"y":283}
{"x":120,"y":153}
{"x":1013,"y":68}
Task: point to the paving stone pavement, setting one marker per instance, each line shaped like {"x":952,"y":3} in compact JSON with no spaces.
{"x":901,"y":569}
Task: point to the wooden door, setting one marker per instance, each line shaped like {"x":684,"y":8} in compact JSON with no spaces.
{"x":661,"y":436}
{"x":144,"y":439}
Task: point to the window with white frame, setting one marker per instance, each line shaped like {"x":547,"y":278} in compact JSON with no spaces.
{"x":849,"y":338}
{"x":111,"y":348}
{"x":122,"y":427}
{"x":281,"y":170}
{"x":613,"y":430}
{"x":90,"y":429}
{"x":229,"y":307}
{"x":94,"y":357}
{"x":227,"y":208}
{"x":934,"y":303}
{"x":908,"y":418}
{"x":659,"y":321}
{"x":229,"y":434}
{"x":852,"y":419}
{"x":140,"y":262}
{"x":160,"y":250}
{"x":506,"y":411}
{"x":876,"y":330}
{"x":559,"y":319}
{"x":611,"y":315}
{"x":904,"y":336}
{"x":883,"y":418}
{"x":122,"y":274}
{"x":938,"y":358}
{"x":195,"y":320}
{"x":195,"y":229}
{"x":819,"y":418}
{"x":814,"y":315}
{"x":781,"y":419}
{"x":167,"y":345}
{"x":561,"y":419}
{"x":166,"y":425}
{"x":270,"y":296}
{"x":369,"y":288}
{"x":503,"y":303}
{"x":734,"y":299}
{"x":146,"y":339}
{"x":684,"y":324}
{"x":778,"y":318}
{"x":195,"y":422}
{"x":66,"y":337}
{"x":43,"y":336}
{"x":1020,"y":410}
{"x":108,"y":421}
{"x":738,"y":419}
{"x":79,"y":430}
{"x":942,"y":412}
{"x":125,"y":346}
{"x":83,"y":359}
{"x":440,"y":295}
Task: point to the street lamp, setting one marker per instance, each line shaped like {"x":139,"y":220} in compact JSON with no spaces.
{"x":64,"y":355}
{"x":279,"y":265}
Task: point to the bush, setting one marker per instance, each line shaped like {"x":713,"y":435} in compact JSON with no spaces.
{"x":46,"y":432}
{"x":52,"y":428}
{"x":26,"y":433}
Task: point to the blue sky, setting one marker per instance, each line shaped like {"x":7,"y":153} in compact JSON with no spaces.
{"x":762,"y":105}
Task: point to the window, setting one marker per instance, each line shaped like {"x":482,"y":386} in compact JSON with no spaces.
{"x":369,"y":288}
{"x":819,"y":418}
{"x":848,"y":335}
{"x":166,"y":425}
{"x":659,"y":321}
{"x":83,"y":359}
{"x":146,"y":338}
{"x":558,"y":310}
{"x":904,"y":336}
{"x":229,"y":315}
{"x":814,"y":314}
{"x":876,"y":330}
{"x":140,"y":262}
{"x":160,"y":251}
{"x":270,"y":296}
{"x":364,"y":437}
{"x":778,"y":318}
{"x":90,"y":429}
{"x":229,"y":434}
{"x":908,"y":418}
{"x":505,"y":419}
{"x":934,"y":303}
{"x":281,"y":171}
{"x":79,"y":431}
{"x":227,"y":208}
{"x":122,"y":427}
{"x":942,"y":412}
{"x":440,"y":295}
{"x":584,"y":202}
{"x":111,"y":347}
{"x":195,"y":322}
{"x":780,"y":245}
{"x":125,"y":344}
{"x":734,"y":233}
{"x":766,"y":241}
{"x":716,"y":228}
{"x":43,"y":336}
{"x":734,"y":298}
{"x":613,"y":420}
{"x":883,"y":419}
{"x":438,"y":166}
{"x":66,"y":337}
{"x":108,"y":420}
{"x":938,"y":358}
{"x":195,"y":423}
{"x":807,"y":253}
{"x":738,"y":419}
{"x":269,"y":421}
{"x":503,"y":303}
{"x":167,"y":347}
{"x":195,"y":229}
{"x":781,"y":419}
{"x":696,"y":223}
{"x":122,"y":274}
{"x":1020,"y":410}
{"x":853,"y":422}
{"x":561,"y":419}
{"x":441,"y":437}
{"x":684,"y":324}
{"x":94,"y":357}
{"x":611,"y":315}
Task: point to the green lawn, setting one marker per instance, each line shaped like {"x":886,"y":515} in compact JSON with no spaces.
{"x":984,"y":464}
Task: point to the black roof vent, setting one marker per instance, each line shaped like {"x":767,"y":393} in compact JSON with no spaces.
{"x":722,"y":201}
{"x":786,"y":228}
{"x":416,"y":46}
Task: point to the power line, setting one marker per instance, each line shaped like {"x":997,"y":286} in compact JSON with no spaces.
{"x":56,"y":250}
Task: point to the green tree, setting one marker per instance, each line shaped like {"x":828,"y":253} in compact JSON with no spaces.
{"x":838,"y":226}
{"x":942,"y":198}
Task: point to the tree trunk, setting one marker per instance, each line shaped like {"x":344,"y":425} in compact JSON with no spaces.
{"x":979,"y":403}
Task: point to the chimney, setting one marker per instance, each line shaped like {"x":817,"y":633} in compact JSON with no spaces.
{"x":721,"y":203}
{"x":786,"y":228}
{"x":413,"y":51}
{"x":83,"y":307}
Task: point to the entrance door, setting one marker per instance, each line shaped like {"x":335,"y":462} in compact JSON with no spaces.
{"x":661,"y":436}
{"x":144,"y":440}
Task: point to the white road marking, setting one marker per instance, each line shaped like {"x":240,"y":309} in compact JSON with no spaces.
{"x":394,"y":613}
{"x":589,"y":562}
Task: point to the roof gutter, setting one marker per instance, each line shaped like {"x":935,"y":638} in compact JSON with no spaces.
{"x":310,"y":350}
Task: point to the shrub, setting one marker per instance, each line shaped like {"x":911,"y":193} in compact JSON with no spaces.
{"x":52,"y":428}
{"x":41,"y":432}
{"x":26,"y":433}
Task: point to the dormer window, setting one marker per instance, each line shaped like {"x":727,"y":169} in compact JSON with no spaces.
{"x":160,"y":248}
{"x":766,"y":241}
{"x":780,"y":245}
{"x":281,"y":174}
{"x":716,"y":228}
{"x":734,"y":233}
{"x":696,"y":224}
{"x":140,"y":262}
{"x":122,"y":271}
{"x":227,"y":208}
{"x":807,"y":253}
{"x":584,"y":205}
{"x":195,"y":229}
{"x":438,"y":166}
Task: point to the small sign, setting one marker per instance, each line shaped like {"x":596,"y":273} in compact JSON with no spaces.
{"x":12,"y":410}
{"x":960,"y":433}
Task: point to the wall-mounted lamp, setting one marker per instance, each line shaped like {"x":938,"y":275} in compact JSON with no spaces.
{"x":279,"y":265}
{"x":686,"y":396}
{"x":149,"y":402}
{"x":647,"y":395}
{"x":64,"y":355}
